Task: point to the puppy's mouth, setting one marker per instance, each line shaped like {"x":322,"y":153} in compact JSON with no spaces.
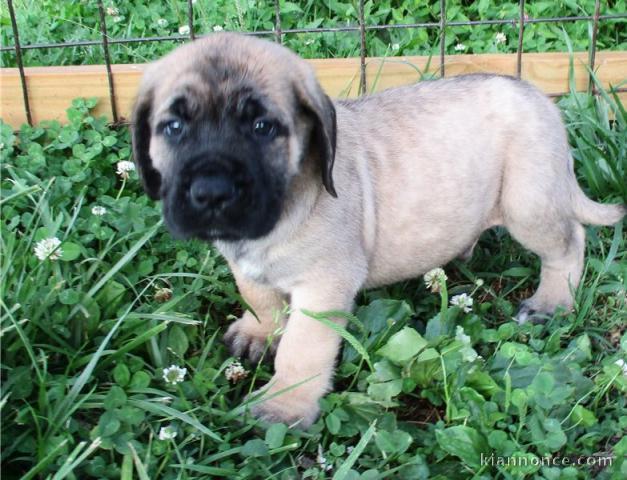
{"x":190,"y":218}
{"x":213,"y":235}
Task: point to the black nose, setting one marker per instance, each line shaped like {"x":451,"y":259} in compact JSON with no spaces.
{"x":211,"y":191}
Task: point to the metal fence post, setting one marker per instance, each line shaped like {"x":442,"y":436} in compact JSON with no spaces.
{"x":107,"y":57}
{"x":277,"y":22}
{"x":362,"y":49}
{"x":442,"y":35}
{"x":190,"y":19}
{"x":521,"y":31}
{"x":20,"y":64}
{"x":593,"y":46}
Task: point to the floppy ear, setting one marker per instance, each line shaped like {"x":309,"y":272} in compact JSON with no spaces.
{"x":323,"y":137}
{"x":140,"y":133}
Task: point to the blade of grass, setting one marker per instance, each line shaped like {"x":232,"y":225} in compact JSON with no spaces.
{"x":75,"y":458}
{"x":213,"y":471}
{"x":171,"y":412}
{"x":616,"y":242}
{"x":377,"y":77}
{"x":4,"y":400}
{"x":126,"y":472}
{"x":323,"y":317}
{"x":139,"y":466}
{"x":26,"y":191}
{"x":164,"y":317}
{"x":124,"y":260}
{"x":43,"y":463}
{"x":572,"y":84}
{"x":342,"y":472}
{"x":112,"y":355}
{"x":76,"y":210}
{"x":25,"y":342}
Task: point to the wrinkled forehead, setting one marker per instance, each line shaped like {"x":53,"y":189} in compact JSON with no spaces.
{"x":215,"y":84}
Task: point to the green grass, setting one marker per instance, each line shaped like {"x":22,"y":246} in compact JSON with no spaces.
{"x":53,"y":21}
{"x":85,"y":339}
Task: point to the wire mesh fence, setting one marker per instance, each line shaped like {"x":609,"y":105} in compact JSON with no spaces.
{"x":519,"y":22}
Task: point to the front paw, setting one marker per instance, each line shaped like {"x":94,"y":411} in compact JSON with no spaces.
{"x":294,"y":406}
{"x":527,"y":313}
{"x":247,"y":337}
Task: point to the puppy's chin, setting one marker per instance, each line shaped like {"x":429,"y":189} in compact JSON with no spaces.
{"x":211,"y":234}
{"x":218,"y":235}
{"x":208,"y":233}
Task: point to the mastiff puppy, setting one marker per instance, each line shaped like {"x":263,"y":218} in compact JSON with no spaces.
{"x":311,"y":200}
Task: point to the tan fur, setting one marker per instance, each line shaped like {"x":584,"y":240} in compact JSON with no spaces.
{"x":420,"y":171}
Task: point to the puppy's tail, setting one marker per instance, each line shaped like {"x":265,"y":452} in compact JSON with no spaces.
{"x":590,"y":212}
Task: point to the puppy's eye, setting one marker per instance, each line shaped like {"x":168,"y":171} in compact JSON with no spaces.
{"x":264,"y":128}
{"x":173,"y":128}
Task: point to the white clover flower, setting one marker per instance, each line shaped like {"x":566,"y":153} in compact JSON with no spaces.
{"x":235,"y":372}
{"x":174,"y":374}
{"x":98,"y":210}
{"x":167,"y":433}
{"x":124,"y":167}
{"x":463,"y":301}
{"x":622,"y":364}
{"x":48,"y":248}
{"x":479,"y":282}
{"x":118,"y":19}
{"x":460,"y":47}
{"x":468,"y":353}
{"x":322,"y":461}
{"x":500,"y":38}
{"x":162,"y":22}
{"x":218,"y":28}
{"x":184,"y":30}
{"x":433,"y":278}
{"x":112,"y":11}
{"x":396,"y":47}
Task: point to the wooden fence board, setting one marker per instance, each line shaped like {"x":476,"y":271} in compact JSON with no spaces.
{"x":51,"y":89}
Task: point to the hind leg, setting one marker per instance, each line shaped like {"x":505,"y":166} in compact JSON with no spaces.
{"x":560,"y":247}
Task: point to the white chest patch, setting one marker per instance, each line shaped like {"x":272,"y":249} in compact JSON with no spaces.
{"x":250,"y":262}
{"x":250,"y":268}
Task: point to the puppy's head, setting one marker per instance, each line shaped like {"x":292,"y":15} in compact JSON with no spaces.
{"x":222,"y":129}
